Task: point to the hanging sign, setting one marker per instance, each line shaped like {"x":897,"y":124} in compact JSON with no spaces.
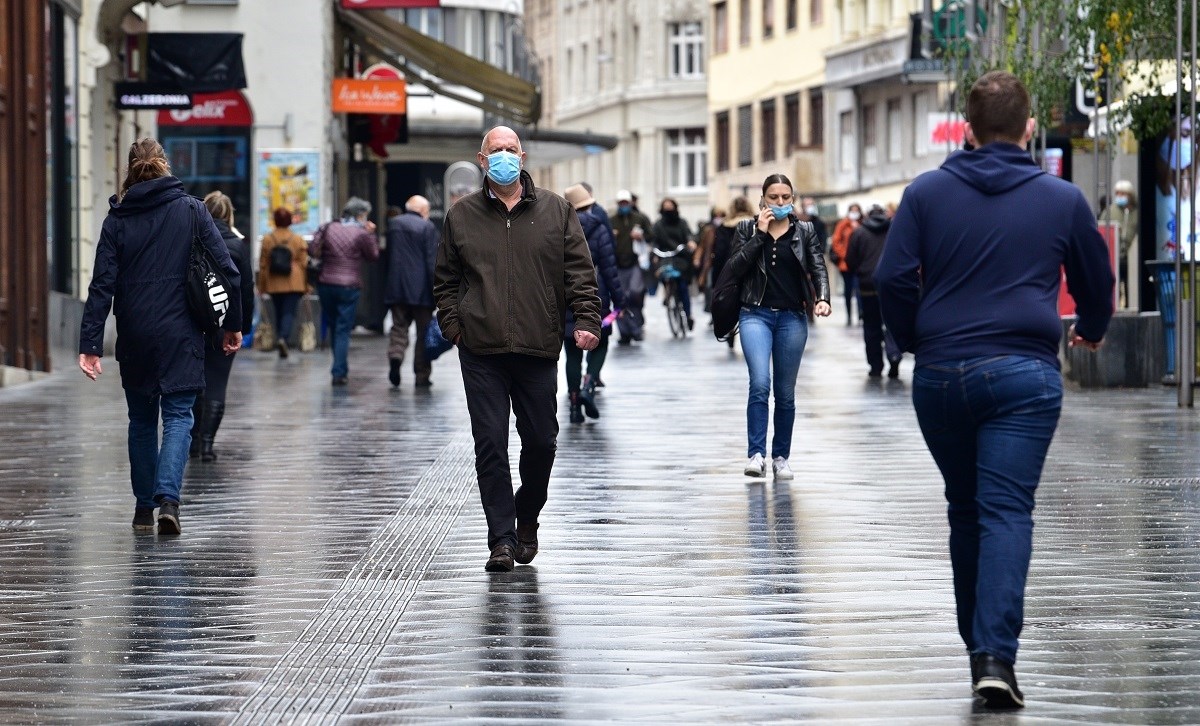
{"x":354,"y":95}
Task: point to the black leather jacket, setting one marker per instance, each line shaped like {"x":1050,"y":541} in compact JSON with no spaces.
{"x":748,"y":264}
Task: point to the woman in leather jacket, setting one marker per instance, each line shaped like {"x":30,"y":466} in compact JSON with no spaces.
{"x":781,"y":266}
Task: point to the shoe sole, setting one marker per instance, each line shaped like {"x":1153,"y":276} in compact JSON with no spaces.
{"x":784,"y":477}
{"x":998,"y":694}
{"x":498,"y":567}
{"x":168,"y":524}
{"x":143,"y":529}
{"x":756,"y":473}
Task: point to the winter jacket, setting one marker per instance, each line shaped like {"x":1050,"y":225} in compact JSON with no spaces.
{"x":239,"y":252}
{"x":667,"y":238}
{"x":622,"y":227}
{"x":841,"y":241}
{"x":296,"y":281}
{"x":866,"y":245}
{"x":412,"y":252}
{"x":504,"y":277}
{"x":749,"y":265}
{"x":972,"y":261}
{"x":600,"y":245}
{"x":141,"y":265}
{"x":343,"y":246}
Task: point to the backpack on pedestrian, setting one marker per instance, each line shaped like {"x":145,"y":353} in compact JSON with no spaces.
{"x":279,"y":259}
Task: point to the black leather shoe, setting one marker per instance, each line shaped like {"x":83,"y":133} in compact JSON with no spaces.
{"x":993,"y":681}
{"x":501,"y":559}
{"x":394,"y":371}
{"x":168,"y":518}
{"x":527,"y":544}
{"x":143,"y":520}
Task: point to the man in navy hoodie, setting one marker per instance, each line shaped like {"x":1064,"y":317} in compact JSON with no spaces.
{"x":969,"y":282}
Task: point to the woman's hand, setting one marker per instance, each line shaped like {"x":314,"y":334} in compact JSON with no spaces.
{"x":822,"y":309}
{"x":765,"y":217}
{"x":233,"y":341}
{"x":90,"y":365}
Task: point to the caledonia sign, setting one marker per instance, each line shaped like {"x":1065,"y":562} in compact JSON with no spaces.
{"x":353,"y":95}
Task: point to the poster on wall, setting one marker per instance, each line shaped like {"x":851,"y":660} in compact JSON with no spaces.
{"x":290,"y":178}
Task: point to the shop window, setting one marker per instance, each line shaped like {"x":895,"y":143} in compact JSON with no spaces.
{"x":687,"y":161}
{"x":62,"y":152}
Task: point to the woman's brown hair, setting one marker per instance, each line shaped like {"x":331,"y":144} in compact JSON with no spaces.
{"x":219,"y":206}
{"x":146,"y":161}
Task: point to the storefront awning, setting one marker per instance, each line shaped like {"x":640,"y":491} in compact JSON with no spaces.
{"x":501,"y":92}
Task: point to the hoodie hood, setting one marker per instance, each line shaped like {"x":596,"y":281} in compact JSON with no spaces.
{"x":993,"y":169}
{"x":877,"y":222}
{"x":147,"y":195}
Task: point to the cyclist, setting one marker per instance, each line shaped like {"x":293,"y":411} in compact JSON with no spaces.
{"x":671,"y":231}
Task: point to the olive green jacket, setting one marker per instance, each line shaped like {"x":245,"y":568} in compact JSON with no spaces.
{"x":504,"y":278}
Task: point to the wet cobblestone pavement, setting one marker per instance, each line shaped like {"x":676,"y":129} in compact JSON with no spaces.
{"x":330,"y":568}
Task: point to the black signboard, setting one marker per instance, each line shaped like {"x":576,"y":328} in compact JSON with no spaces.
{"x":196,"y":62}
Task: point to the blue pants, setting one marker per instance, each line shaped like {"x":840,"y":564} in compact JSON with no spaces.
{"x":285,"y":312}
{"x":338,"y":307}
{"x":772,"y":338}
{"x":157,"y":472}
{"x":684,"y":290}
{"x":988,"y":422}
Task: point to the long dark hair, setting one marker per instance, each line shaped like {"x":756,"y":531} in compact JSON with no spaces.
{"x":778,"y":179}
{"x":146,"y":161}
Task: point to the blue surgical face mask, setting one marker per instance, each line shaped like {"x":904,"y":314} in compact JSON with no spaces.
{"x":1121,"y":202}
{"x":781,"y":212}
{"x":504,"y":167}
{"x":624,"y":208}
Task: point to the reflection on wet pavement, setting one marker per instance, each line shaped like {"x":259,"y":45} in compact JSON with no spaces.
{"x":331,"y":562}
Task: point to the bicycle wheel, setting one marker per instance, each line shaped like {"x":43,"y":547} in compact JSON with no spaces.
{"x":673,"y":304}
{"x":680,"y":318}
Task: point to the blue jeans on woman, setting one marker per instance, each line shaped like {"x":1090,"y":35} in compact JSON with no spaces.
{"x":988,"y":422}
{"x":338,"y":307}
{"x":772,"y":339}
{"x":155,"y":471}
{"x":285,"y":312}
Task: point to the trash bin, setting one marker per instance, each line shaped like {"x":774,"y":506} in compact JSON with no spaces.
{"x":1167,"y":286}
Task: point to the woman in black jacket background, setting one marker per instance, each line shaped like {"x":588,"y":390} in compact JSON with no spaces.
{"x":140,"y":272}
{"x":210,"y":404}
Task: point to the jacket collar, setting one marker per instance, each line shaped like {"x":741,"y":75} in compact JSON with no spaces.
{"x":528,"y":190}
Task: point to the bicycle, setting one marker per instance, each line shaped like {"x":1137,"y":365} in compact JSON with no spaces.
{"x":669,"y":276}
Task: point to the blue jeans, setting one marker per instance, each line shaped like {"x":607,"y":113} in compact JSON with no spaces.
{"x":988,"y":422}
{"x":772,"y":338}
{"x":684,"y":290}
{"x":285,"y":312}
{"x":157,"y":472}
{"x":338,"y":307}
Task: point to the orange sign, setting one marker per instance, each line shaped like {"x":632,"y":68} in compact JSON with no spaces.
{"x":352,"y":95}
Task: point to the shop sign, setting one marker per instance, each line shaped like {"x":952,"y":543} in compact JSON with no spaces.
{"x":353,"y":95}
{"x":365,"y":4}
{"x":228,"y":108}
{"x":946,"y":130}
{"x":135,"y":95}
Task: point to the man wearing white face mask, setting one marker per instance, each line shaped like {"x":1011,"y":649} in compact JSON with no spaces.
{"x":512,"y":259}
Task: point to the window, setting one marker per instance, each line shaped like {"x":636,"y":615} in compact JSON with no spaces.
{"x":427,"y":21}
{"x":720,"y":27}
{"x":920,"y":124}
{"x":687,"y":160}
{"x":768,"y":18}
{"x":744,"y":22}
{"x":870,"y":141}
{"x":722,"y":130}
{"x":745,"y":136}
{"x":686,"y":41}
{"x":767,"y":111}
{"x":846,"y":140}
{"x":585,"y":70}
{"x":569,"y":75}
{"x":791,"y":12}
{"x":894,"y":134}
{"x":816,"y":13}
{"x":816,"y":118}
{"x":791,"y":123}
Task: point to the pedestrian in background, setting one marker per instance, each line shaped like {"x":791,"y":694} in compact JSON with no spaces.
{"x":702,"y":259}
{"x":1125,"y":214}
{"x":671,"y":232}
{"x":209,"y":409}
{"x":412,"y":252}
{"x":142,"y":261}
{"x":631,"y":229}
{"x":811,"y":214}
{"x":837,"y":252}
{"x":582,"y":393}
{"x":975,"y":254}
{"x":598,"y":209}
{"x":862,"y":255}
{"x":282,"y":266}
{"x":780,"y":264}
{"x":343,"y":246}
{"x":512,"y":260}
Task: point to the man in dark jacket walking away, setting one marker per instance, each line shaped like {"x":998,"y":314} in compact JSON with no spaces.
{"x":412,"y":252}
{"x":512,"y":260}
{"x":862,"y":255}
{"x":969,"y":282}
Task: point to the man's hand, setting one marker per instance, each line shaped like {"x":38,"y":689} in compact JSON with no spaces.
{"x":90,"y":365}
{"x":1074,"y":341}
{"x":233,"y":341}
{"x":585,"y":340}
{"x":822,"y":309}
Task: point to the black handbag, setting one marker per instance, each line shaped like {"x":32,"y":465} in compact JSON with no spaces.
{"x":206,"y":285}
{"x":315,"y":263}
{"x":726,"y":304}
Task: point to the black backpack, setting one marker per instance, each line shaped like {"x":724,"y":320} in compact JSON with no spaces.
{"x":279,"y":260}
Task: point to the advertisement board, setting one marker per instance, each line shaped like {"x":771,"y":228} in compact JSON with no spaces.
{"x":289,"y":178}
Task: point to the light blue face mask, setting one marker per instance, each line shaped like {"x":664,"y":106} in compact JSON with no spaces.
{"x":504,"y":167}
{"x":781,"y":212}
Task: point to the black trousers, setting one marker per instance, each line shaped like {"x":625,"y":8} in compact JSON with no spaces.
{"x":874,"y":337}
{"x":527,"y":386}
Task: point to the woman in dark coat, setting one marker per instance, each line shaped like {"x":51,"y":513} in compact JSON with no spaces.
{"x":210,"y":404}
{"x":141,"y":267}
{"x":671,"y":231}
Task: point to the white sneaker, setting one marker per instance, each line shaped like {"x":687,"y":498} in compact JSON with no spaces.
{"x":756,"y":466}
{"x":783,"y":472}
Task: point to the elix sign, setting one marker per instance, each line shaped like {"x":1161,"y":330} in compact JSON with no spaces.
{"x":354,"y":95}
{"x":363,"y":4}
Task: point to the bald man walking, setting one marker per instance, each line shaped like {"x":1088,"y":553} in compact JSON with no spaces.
{"x":412,"y":251}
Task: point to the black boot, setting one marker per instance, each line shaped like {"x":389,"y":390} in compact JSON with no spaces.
{"x":214,"y":411}
{"x":587,"y":396}
{"x":394,"y":371}
{"x":576,"y":411}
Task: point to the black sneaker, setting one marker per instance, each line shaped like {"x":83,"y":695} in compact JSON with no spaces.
{"x":527,"y":544}
{"x":894,"y":368}
{"x":143,"y":520}
{"x":995,"y":682}
{"x":168,"y":518}
{"x":501,"y":559}
{"x":394,"y":371}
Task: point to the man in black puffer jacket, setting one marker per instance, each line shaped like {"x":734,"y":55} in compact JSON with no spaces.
{"x":862,"y":254}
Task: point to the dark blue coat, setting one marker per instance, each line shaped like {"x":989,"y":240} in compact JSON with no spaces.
{"x":412,"y":251}
{"x":239,"y":252}
{"x":141,"y":264}
{"x":604,"y":257}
